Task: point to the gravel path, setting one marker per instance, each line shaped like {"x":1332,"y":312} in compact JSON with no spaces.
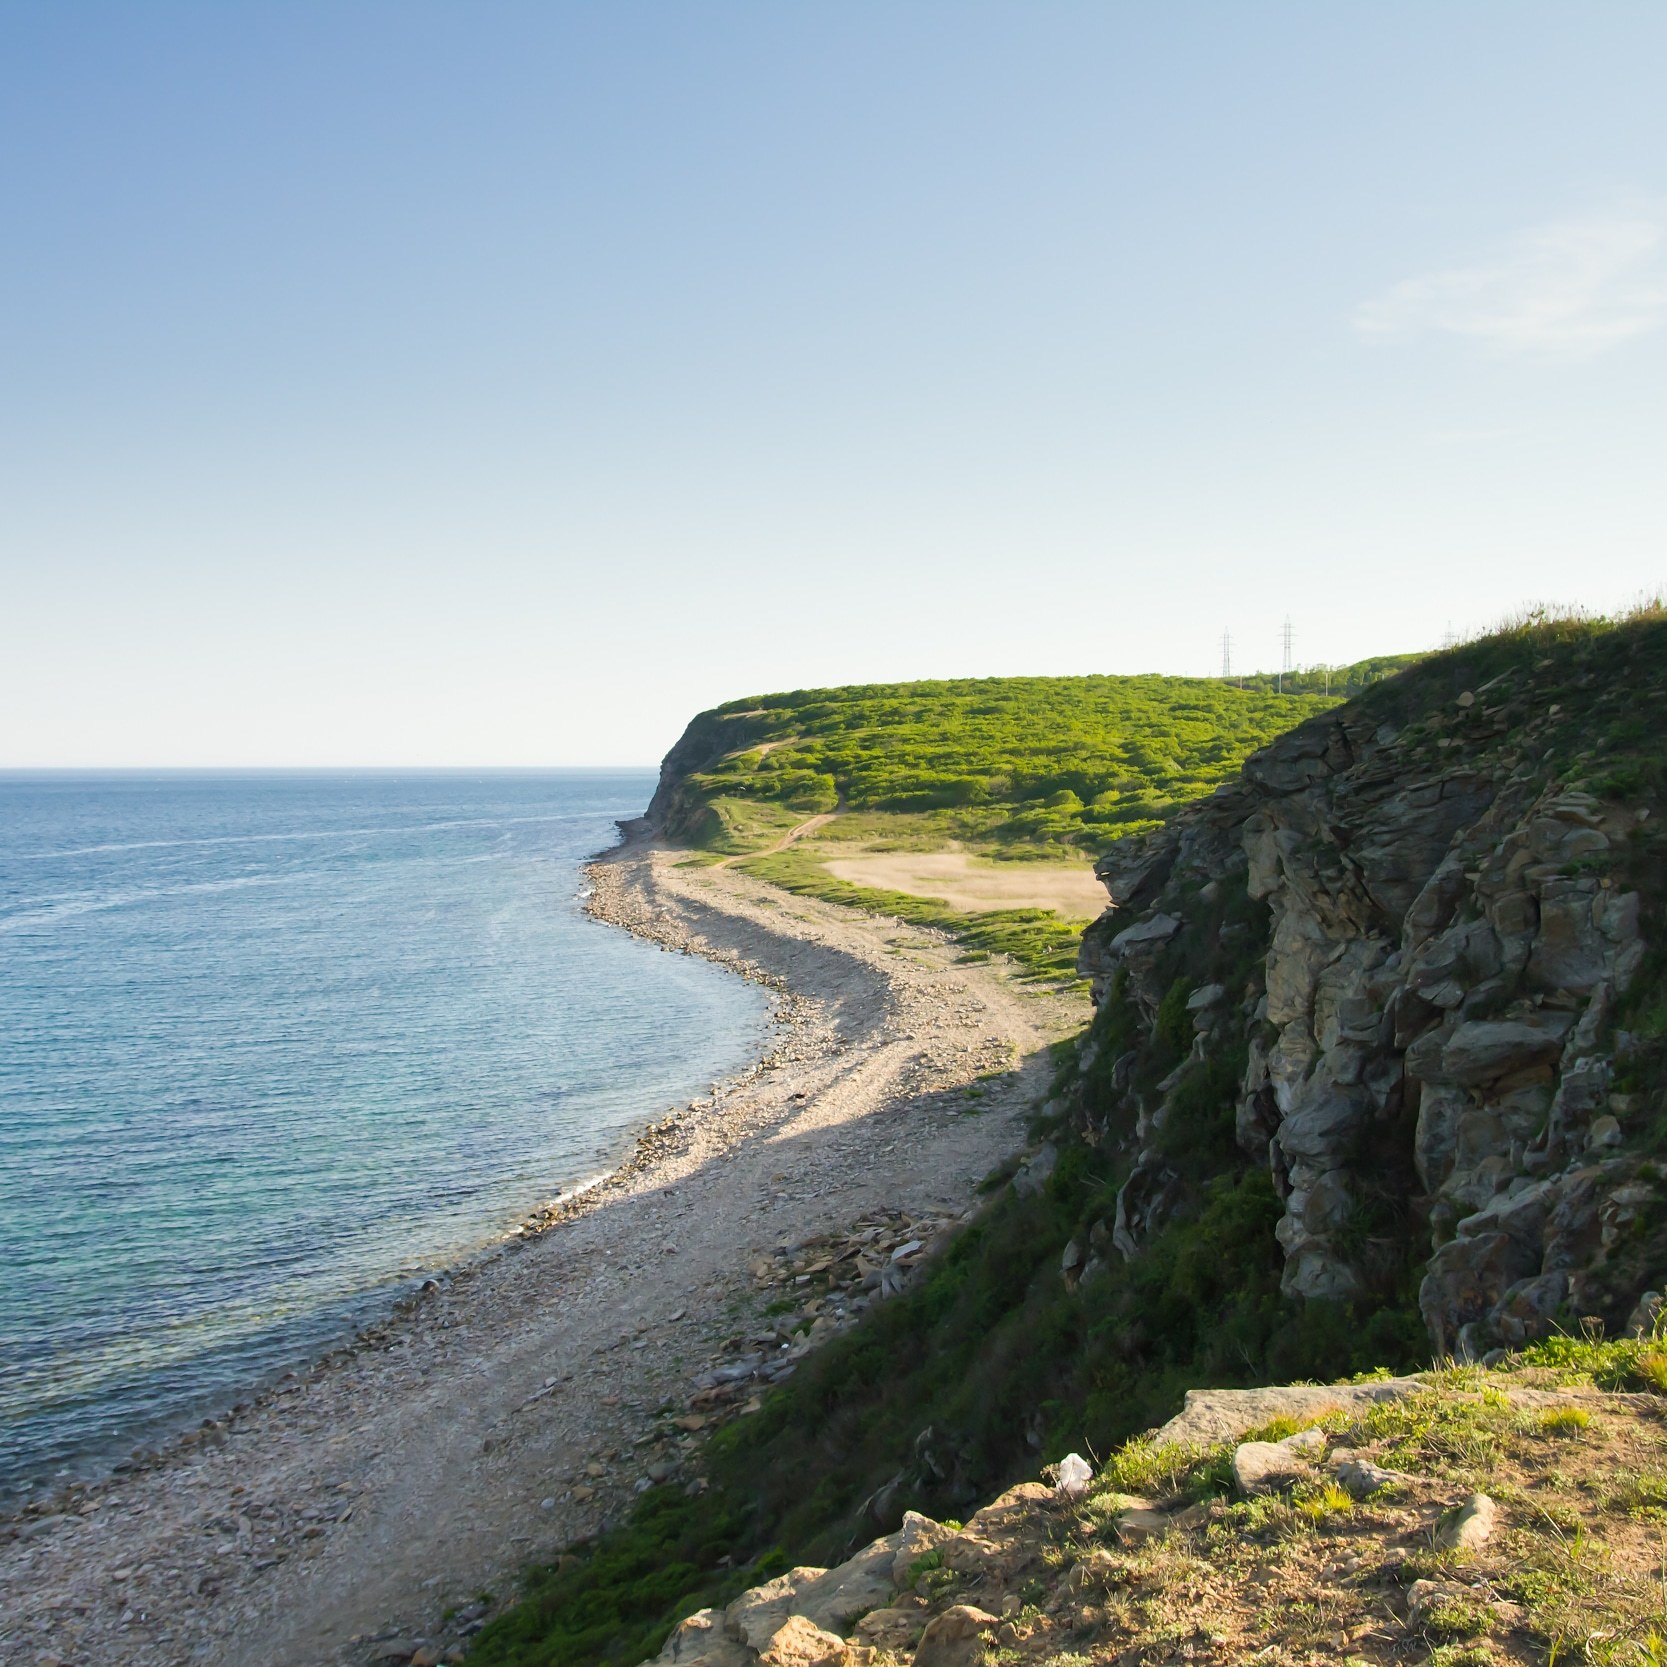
{"x":510,"y":1409}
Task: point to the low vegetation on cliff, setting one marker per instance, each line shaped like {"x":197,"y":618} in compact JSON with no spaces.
{"x":1376,"y":1073}
{"x":1029,"y":765}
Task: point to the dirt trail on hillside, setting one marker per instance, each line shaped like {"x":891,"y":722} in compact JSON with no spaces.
{"x":342,"y":1515}
{"x":791,"y":837}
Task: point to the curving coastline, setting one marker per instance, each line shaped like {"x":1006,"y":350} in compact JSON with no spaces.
{"x":509,"y":1409}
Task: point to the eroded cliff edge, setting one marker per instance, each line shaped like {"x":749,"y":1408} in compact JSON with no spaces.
{"x":1408,"y":954}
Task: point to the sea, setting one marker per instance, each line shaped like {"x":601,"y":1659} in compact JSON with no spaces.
{"x":274,"y":1046}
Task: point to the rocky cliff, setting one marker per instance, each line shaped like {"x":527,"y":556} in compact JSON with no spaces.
{"x":1417,"y":934}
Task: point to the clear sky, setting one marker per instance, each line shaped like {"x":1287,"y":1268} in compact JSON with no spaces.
{"x":500,"y":383}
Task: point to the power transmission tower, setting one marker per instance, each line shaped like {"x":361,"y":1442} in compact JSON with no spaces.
{"x":1285,"y":657}
{"x":1226,"y":656}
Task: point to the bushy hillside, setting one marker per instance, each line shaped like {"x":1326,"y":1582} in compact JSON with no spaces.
{"x":1022,"y":762}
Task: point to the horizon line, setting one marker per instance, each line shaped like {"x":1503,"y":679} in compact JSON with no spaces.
{"x":313,"y":769}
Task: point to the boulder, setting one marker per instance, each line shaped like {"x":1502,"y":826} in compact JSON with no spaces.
{"x":1426,"y":1598}
{"x":757,"y":1615}
{"x":1361,"y":1478}
{"x":954,"y":1638}
{"x":896,"y":1631}
{"x":1582,"y":1095}
{"x":1423,"y":1062}
{"x":798,"y":1642}
{"x":1211,"y":1416}
{"x":1133,"y":869}
{"x":1405,"y":837}
{"x":1316,"y":1271}
{"x":1435,"y":1139}
{"x":1646,"y":1315}
{"x":1094,"y":1572}
{"x":1575,"y":1229}
{"x":1145,"y":934}
{"x":1139,"y":1523}
{"x":979,"y":1556}
{"x":1032,"y":1174}
{"x":1324,"y":1120}
{"x":1622,"y":1208}
{"x":1484,"y":1050}
{"x":1144,"y":1203}
{"x":1529,"y":1308}
{"x":862,"y":1583}
{"x":918,"y":1535}
{"x":1471,"y":1526}
{"x":703,"y":1638}
{"x":1569,"y":953}
{"x":1466,"y":1277}
{"x":1460,"y":957}
{"x":1267,"y":1467}
{"x":1434,"y":906}
{"x":1009,"y":1510}
{"x":1300,"y":949}
{"x":1515,"y":918}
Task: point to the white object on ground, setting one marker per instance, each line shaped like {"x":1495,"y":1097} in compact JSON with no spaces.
{"x":1075,"y":1473}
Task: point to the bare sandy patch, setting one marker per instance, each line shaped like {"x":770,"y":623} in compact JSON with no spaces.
{"x":964,"y":882}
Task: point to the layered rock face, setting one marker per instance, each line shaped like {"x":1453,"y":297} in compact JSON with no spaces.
{"x":1430,"y":1018}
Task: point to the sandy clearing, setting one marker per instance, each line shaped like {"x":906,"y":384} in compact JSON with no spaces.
{"x":368,"y":1495}
{"x":965,"y":882}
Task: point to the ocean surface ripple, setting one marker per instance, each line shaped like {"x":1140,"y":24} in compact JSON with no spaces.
{"x":273,"y":1045}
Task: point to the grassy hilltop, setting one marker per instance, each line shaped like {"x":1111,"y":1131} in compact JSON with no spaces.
{"x":1026,"y":766}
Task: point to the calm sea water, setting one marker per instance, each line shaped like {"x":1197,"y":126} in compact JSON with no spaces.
{"x":271,"y":1045}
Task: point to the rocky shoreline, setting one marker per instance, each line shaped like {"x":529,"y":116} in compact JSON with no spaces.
{"x":356,"y":1510}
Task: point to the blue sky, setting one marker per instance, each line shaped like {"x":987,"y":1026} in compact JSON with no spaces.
{"x":500,"y":383}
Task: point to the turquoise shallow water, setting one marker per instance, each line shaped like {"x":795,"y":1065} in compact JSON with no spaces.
{"x":271,"y":1045}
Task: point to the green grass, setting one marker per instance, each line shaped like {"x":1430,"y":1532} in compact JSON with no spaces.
{"x":1564,"y":1421}
{"x":1620,"y":1363}
{"x":1024,"y":764}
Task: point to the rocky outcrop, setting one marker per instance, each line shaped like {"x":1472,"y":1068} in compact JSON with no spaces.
{"x":1084,"y":1571}
{"x":678,"y":808}
{"x":1428,"y":1019}
{"x":877,"y":1602}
